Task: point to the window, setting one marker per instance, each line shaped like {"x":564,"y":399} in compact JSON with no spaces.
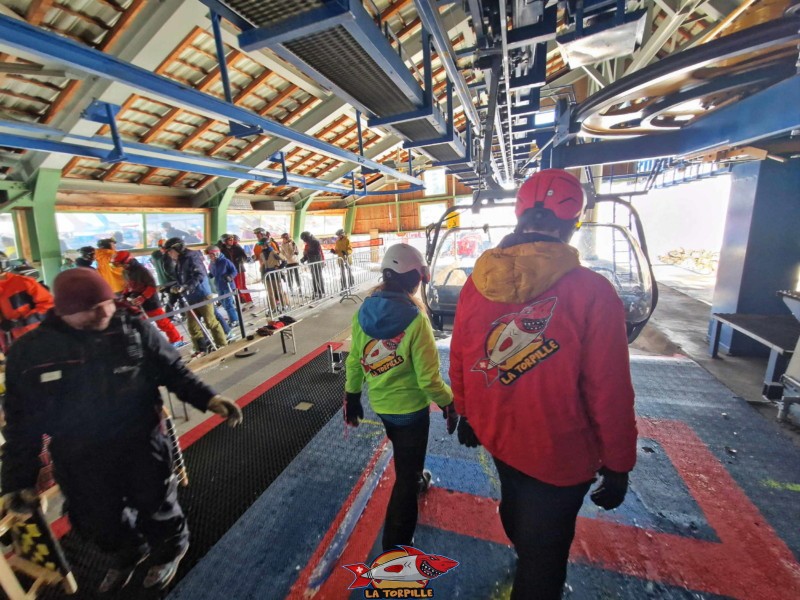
{"x":322,"y":225}
{"x":243,"y":224}
{"x":8,"y":239}
{"x":435,"y":182}
{"x":77,"y":229}
{"x":191,"y":228}
{"x":431,"y":212}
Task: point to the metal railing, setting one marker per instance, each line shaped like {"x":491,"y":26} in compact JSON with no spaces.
{"x":295,"y":287}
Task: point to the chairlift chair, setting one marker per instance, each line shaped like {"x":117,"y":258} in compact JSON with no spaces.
{"x":618,"y":252}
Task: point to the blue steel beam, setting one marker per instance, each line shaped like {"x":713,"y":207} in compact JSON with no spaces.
{"x":764,"y":114}
{"x":20,"y":35}
{"x":27,"y":137}
{"x":428,"y":14}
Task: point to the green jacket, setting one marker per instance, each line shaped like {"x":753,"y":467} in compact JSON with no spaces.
{"x":396,"y":356}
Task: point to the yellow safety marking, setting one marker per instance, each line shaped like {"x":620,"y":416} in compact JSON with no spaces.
{"x":486,"y":467}
{"x":777,"y":485}
{"x":503,"y":592}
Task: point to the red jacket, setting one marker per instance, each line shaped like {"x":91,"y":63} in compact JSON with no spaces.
{"x":539,"y":364}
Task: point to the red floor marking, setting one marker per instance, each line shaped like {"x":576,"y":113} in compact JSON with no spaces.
{"x":357,"y":549}
{"x":62,"y":526}
{"x":300,"y":586}
{"x":750,"y":562}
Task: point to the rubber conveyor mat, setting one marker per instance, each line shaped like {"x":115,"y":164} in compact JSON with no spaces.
{"x":229,"y":469}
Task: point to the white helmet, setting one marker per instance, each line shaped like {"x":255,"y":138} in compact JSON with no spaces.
{"x":402,"y":258}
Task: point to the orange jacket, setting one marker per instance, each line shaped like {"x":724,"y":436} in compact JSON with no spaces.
{"x":23,"y":302}
{"x":113,"y":275}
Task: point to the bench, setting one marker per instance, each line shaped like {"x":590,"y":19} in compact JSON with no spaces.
{"x":287,"y":333}
{"x":779,"y":333}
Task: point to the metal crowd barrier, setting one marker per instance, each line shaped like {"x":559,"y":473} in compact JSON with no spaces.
{"x":300,"y":286}
{"x":295,"y":287}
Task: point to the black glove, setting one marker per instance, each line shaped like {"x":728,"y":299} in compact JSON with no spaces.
{"x":466,"y":436}
{"x":451,"y":416}
{"x":612,"y":489}
{"x":7,"y":324}
{"x":353,"y":411}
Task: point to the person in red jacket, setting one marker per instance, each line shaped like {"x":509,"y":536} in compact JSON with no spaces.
{"x":540,"y":376}
{"x":23,"y":304}
{"x":141,"y":291}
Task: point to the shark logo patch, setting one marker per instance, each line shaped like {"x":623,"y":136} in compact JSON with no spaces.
{"x":380,"y":356}
{"x":516,"y":343}
{"x":401,"y":573}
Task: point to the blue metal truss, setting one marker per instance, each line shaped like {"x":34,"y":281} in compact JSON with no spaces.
{"x":38,"y":42}
{"x":765,"y":114}
{"x":39,"y":138}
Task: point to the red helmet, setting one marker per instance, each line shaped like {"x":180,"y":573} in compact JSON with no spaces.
{"x":554,"y":189}
{"x":122,"y":258}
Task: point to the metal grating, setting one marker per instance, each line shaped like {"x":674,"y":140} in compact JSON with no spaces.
{"x":230,"y":469}
{"x":442,"y":152}
{"x":359,"y":75}
{"x":263,"y":13}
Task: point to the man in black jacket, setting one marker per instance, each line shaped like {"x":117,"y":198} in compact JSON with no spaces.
{"x":88,"y":377}
{"x":312,"y":254}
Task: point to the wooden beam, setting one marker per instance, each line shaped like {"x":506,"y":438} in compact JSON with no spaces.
{"x":108,"y":41}
{"x":287,"y":91}
{"x":394,"y":8}
{"x":37,"y":11}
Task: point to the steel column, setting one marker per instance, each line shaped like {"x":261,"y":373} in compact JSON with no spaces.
{"x":44,"y":229}
{"x":219,"y":212}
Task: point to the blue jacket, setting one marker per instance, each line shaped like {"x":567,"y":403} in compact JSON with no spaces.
{"x":220,"y":270}
{"x":191,"y":273}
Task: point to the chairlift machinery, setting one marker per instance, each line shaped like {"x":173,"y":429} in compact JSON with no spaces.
{"x":617,"y":251}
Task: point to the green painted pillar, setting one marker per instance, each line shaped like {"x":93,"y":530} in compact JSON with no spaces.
{"x":44,"y":234}
{"x":219,"y":213}
{"x":350,"y":219}
{"x":300,"y":218}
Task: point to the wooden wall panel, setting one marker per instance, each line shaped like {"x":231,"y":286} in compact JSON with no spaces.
{"x":112,"y":202}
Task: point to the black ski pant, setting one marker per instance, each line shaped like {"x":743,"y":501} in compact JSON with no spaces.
{"x":124,"y":499}
{"x":539,"y":519}
{"x":409,"y":444}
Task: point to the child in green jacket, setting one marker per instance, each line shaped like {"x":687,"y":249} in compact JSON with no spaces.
{"x":394,"y":351}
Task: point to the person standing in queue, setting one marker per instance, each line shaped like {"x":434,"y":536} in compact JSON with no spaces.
{"x":141,"y":291}
{"x":541,"y":377}
{"x":230,"y":248}
{"x":103,"y":256}
{"x":344,"y":250}
{"x":24,"y":302}
{"x":86,"y":258}
{"x":394,"y":353}
{"x":312,"y":254}
{"x":192,"y":284}
{"x":89,"y":377}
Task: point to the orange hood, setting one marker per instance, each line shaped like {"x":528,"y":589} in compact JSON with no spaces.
{"x":522,"y":272}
